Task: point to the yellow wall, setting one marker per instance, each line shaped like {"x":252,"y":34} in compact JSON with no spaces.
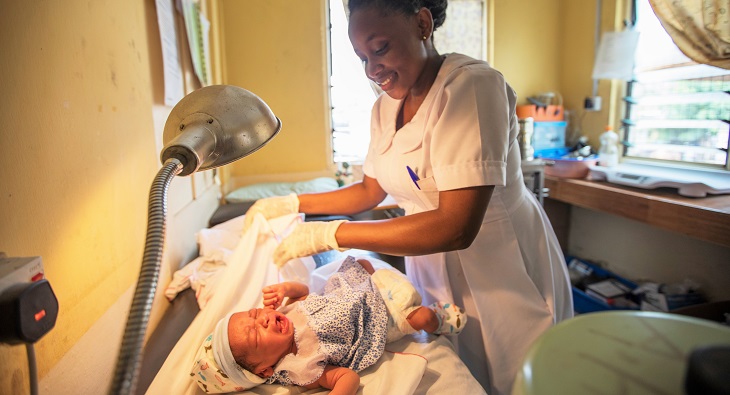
{"x":77,"y":149}
{"x":527,"y":45}
{"x":80,"y":81}
{"x":278,"y":49}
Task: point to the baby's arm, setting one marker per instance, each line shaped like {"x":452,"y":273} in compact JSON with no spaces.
{"x":340,"y":380}
{"x":275,"y":294}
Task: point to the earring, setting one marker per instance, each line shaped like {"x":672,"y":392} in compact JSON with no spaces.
{"x":424,"y":38}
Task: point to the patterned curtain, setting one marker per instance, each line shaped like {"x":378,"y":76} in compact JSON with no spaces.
{"x":700,"y":28}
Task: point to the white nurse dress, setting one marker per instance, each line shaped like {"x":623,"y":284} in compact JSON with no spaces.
{"x":512,"y":281}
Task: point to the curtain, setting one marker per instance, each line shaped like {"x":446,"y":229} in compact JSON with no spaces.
{"x":700,"y":28}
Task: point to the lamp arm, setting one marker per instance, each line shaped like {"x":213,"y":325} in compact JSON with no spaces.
{"x":128,"y":362}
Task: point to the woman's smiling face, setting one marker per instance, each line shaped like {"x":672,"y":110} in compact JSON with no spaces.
{"x":390,"y":47}
{"x":264,"y":336}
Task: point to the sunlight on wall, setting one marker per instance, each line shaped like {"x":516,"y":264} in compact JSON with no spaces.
{"x":77,"y":159}
{"x":288,"y":70}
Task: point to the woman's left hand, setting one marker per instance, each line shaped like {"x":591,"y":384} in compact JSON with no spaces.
{"x":308,"y":238}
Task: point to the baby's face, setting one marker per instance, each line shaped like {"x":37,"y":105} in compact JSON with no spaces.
{"x":263,"y":335}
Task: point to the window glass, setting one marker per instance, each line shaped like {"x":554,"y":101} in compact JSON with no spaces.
{"x":677,"y":110}
{"x":351,"y":94}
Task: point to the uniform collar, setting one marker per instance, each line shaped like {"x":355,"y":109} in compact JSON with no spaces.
{"x":412,"y":140}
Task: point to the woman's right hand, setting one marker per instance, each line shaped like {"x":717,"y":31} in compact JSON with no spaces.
{"x":271,"y":207}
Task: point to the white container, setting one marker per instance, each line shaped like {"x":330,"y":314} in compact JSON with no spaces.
{"x":608,"y":153}
{"x":524,"y":139}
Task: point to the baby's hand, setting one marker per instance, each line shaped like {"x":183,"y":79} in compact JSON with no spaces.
{"x":274,"y":295}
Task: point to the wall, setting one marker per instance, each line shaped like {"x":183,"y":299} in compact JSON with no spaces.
{"x":278,"y":49}
{"x":527,"y":45}
{"x":81,"y":106}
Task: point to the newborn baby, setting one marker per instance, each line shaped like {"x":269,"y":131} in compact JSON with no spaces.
{"x":318,"y":340}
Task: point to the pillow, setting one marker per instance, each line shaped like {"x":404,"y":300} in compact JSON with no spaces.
{"x":255,"y":192}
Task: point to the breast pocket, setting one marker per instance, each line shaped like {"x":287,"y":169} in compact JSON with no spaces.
{"x":427,"y":196}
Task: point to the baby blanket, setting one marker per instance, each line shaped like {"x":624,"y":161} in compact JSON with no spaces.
{"x":247,"y":269}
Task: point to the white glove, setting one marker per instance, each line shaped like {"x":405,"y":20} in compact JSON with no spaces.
{"x":308,"y":238}
{"x":271,"y":207}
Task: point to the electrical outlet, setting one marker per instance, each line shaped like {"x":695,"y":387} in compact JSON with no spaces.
{"x":592,"y":103}
{"x":19,"y":270}
{"x":28,"y":303}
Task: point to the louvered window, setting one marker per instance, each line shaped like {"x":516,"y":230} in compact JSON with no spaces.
{"x":677,"y":111}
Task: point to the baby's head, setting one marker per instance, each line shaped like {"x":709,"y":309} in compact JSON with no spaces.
{"x":243,"y":350}
{"x":259,"y":339}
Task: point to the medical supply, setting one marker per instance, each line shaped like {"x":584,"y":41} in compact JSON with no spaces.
{"x":524,"y":138}
{"x":546,"y":106}
{"x":549,"y":137}
{"x":597,"y":289}
{"x":611,"y":292}
{"x":668,"y":297}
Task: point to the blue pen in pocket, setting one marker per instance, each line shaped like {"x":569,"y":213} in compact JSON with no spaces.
{"x":414,"y":176}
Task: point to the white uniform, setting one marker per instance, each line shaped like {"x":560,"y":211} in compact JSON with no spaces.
{"x":512,"y":280}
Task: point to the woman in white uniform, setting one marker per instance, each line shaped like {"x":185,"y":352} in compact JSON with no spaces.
{"x":444,"y":145}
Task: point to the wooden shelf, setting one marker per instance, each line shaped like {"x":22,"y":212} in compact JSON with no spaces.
{"x":702,"y":218}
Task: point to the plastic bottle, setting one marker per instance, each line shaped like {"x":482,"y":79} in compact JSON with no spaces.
{"x":608,"y":153}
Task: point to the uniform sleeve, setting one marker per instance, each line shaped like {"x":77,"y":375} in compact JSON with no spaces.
{"x":469,"y":144}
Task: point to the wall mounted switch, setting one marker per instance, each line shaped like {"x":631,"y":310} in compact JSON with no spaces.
{"x":592,"y":103}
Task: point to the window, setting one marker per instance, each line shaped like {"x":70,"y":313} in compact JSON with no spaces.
{"x":352,"y":95}
{"x":677,"y":111}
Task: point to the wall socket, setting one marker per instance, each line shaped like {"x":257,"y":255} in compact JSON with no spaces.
{"x":592,"y":103}
{"x":19,"y":270}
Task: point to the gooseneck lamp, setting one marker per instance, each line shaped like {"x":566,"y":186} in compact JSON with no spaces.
{"x":209,"y":127}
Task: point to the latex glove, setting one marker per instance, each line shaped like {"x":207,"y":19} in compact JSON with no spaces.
{"x":271,"y":207}
{"x":308,"y":238}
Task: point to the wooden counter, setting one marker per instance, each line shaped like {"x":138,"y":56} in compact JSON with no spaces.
{"x":702,"y":218}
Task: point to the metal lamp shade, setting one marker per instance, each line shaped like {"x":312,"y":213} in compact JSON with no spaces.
{"x":217,"y":125}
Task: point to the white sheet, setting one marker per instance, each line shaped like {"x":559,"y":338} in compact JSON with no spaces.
{"x":421,"y":364}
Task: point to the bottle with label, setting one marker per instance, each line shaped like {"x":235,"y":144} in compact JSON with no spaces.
{"x":608,"y":153}
{"x":524,"y":138}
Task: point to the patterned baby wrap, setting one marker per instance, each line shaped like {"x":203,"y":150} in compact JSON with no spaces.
{"x":349,"y":320}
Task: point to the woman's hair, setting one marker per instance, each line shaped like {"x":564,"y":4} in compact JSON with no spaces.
{"x":406,"y":7}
